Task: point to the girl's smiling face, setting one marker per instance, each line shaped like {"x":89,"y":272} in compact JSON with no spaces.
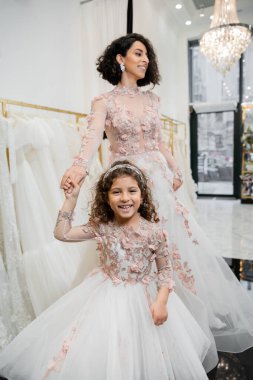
{"x":124,"y":198}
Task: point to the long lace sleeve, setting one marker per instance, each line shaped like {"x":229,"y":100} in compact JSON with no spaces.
{"x":93,"y":135}
{"x":65,"y":232}
{"x":163,"y":263}
{"x":169,"y":158}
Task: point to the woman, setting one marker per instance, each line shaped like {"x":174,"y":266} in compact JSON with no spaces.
{"x":130,"y":118}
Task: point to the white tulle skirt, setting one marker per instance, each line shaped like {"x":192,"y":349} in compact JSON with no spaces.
{"x":197,"y":266}
{"x":100,"y":331}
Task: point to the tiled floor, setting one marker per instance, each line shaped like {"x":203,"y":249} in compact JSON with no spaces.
{"x":234,"y":366}
{"x":215,"y":187}
{"x":229,"y":224}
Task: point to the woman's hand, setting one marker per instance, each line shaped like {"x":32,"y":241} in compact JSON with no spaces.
{"x":75,"y":174}
{"x":177,"y":183}
{"x":178,"y":179}
{"x":159,"y":312}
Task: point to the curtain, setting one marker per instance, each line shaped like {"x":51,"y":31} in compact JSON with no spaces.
{"x":102,"y":22}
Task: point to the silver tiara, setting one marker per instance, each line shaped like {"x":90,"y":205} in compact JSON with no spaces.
{"x":128,"y":166}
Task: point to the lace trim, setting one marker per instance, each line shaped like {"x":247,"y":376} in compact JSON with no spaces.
{"x":131,"y":91}
{"x":81,"y":162}
{"x":65,"y":215}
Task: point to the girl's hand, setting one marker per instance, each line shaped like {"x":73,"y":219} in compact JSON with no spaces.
{"x":75,"y":190}
{"x":75,"y":174}
{"x":176,"y":184}
{"x":159,"y":312}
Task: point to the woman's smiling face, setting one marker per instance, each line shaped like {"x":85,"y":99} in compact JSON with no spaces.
{"x":136,"y":61}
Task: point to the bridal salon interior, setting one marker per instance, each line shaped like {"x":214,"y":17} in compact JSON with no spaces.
{"x":48,"y":78}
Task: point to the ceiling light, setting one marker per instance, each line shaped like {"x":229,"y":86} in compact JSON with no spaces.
{"x":227,"y":38}
{"x":188,"y":22}
{"x":201,"y":15}
{"x":178,"y":6}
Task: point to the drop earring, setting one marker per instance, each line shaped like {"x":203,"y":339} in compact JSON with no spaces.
{"x":122,"y":67}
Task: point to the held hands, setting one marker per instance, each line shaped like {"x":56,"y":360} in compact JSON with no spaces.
{"x":74,"y":175}
{"x":75,"y":190}
{"x":159,"y":312}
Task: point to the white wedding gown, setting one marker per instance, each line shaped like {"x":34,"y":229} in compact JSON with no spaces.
{"x":103,"y":329}
{"x":130,"y":118}
{"x":16,"y":310}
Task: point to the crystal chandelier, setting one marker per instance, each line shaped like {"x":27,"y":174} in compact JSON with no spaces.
{"x":227,"y":38}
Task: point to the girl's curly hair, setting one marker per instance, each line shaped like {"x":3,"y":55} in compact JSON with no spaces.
{"x":100,"y":208}
{"x":109,"y":68}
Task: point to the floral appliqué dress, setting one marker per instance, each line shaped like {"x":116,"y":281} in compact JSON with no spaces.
{"x":103,"y":329}
{"x":131,"y":120}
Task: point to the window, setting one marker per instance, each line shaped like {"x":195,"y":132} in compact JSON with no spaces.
{"x":207,"y":85}
{"x":248,"y":74}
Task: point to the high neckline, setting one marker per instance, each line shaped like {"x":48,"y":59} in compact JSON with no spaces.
{"x":126,"y":227}
{"x":123,"y":90}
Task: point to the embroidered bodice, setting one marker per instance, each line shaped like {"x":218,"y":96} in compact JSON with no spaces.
{"x":126,"y":255}
{"x":130,"y":118}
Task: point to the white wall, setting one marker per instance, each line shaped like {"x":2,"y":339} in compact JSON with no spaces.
{"x":40,"y":52}
{"x":102,"y":22}
{"x":152,"y":20}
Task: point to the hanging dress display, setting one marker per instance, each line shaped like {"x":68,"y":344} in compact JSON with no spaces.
{"x":52,"y":268}
{"x":16,"y":310}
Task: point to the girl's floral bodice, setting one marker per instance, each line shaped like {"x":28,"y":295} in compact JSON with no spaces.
{"x":126,"y":255}
{"x":130,"y":118}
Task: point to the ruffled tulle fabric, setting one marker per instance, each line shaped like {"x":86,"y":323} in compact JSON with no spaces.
{"x":51,"y":267}
{"x":100,"y":331}
{"x":196,"y":264}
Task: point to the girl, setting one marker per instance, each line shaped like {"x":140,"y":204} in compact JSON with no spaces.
{"x":131,"y":120}
{"x":114,"y":325}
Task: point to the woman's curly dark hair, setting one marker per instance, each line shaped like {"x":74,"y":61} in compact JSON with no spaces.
{"x":109,"y":68}
{"x":100,"y":208}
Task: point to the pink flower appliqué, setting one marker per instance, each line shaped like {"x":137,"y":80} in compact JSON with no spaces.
{"x":146,"y":280}
{"x":124,"y":137}
{"x":135,"y":268}
{"x":55,"y":363}
{"x":126,"y":244}
{"x":181,"y":210}
{"x":146,"y":128}
{"x":183,"y":270}
{"x":122,"y":150}
{"x":152,"y":258}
